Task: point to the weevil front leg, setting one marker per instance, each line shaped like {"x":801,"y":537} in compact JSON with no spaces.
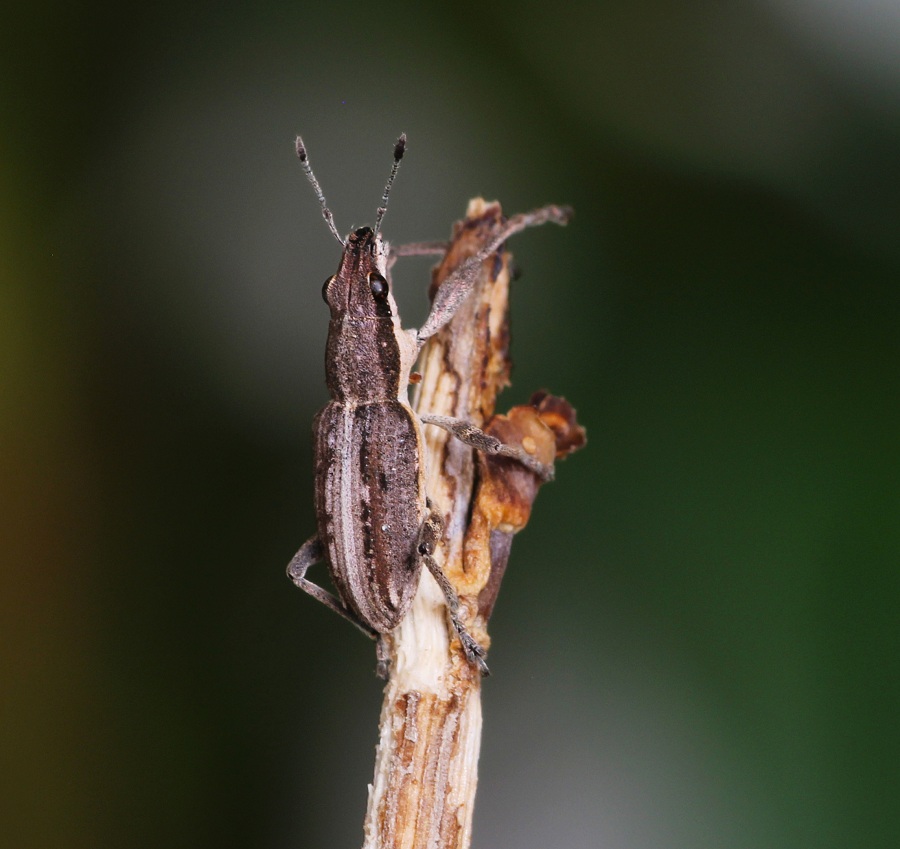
{"x":415,"y":249}
{"x":456,"y":288}
{"x":419,"y":249}
{"x":430,"y":535}
{"x":471,"y":435}
{"x":310,"y":553}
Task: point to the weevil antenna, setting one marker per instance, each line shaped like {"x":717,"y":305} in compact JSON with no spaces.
{"x":326,"y":212}
{"x":399,"y":150}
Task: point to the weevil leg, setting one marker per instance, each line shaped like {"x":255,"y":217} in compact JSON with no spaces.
{"x":456,"y":288}
{"x":310,"y":553}
{"x":383,"y":656}
{"x":430,"y":535}
{"x":420,"y":249}
{"x":415,"y":249}
{"x":470,"y":434}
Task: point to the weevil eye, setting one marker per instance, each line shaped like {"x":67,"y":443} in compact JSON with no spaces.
{"x":325,"y":289}
{"x":378,"y":285}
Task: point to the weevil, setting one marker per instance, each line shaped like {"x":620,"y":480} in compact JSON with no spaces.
{"x":376,"y":526}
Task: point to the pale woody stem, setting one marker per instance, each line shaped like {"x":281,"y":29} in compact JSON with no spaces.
{"x":423,"y":792}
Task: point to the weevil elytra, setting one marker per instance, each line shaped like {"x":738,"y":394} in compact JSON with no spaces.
{"x":375,"y":524}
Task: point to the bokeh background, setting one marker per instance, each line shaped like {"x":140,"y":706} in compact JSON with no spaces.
{"x":696,"y":643}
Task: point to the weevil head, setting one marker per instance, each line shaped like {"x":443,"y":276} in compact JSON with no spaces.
{"x":360,"y":289}
{"x":367,"y":356}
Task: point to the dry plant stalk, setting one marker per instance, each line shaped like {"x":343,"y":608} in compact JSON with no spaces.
{"x":423,"y":791}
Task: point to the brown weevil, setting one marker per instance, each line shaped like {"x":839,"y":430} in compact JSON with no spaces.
{"x":375,"y":523}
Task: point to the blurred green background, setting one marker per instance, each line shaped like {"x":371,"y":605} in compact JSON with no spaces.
{"x":696,"y":644}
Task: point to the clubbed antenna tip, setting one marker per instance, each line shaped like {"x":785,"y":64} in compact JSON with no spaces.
{"x":399,"y":150}
{"x":326,"y":212}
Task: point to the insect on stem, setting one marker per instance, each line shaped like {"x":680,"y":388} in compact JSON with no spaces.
{"x":377,"y":528}
{"x":399,"y":150}
{"x":307,"y":169}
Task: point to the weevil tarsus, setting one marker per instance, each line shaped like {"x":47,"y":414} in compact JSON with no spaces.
{"x":430,"y":536}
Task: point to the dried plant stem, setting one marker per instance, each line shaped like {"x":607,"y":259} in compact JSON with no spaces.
{"x":423,"y":791}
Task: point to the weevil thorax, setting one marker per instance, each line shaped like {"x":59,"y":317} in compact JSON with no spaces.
{"x":368,"y":356}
